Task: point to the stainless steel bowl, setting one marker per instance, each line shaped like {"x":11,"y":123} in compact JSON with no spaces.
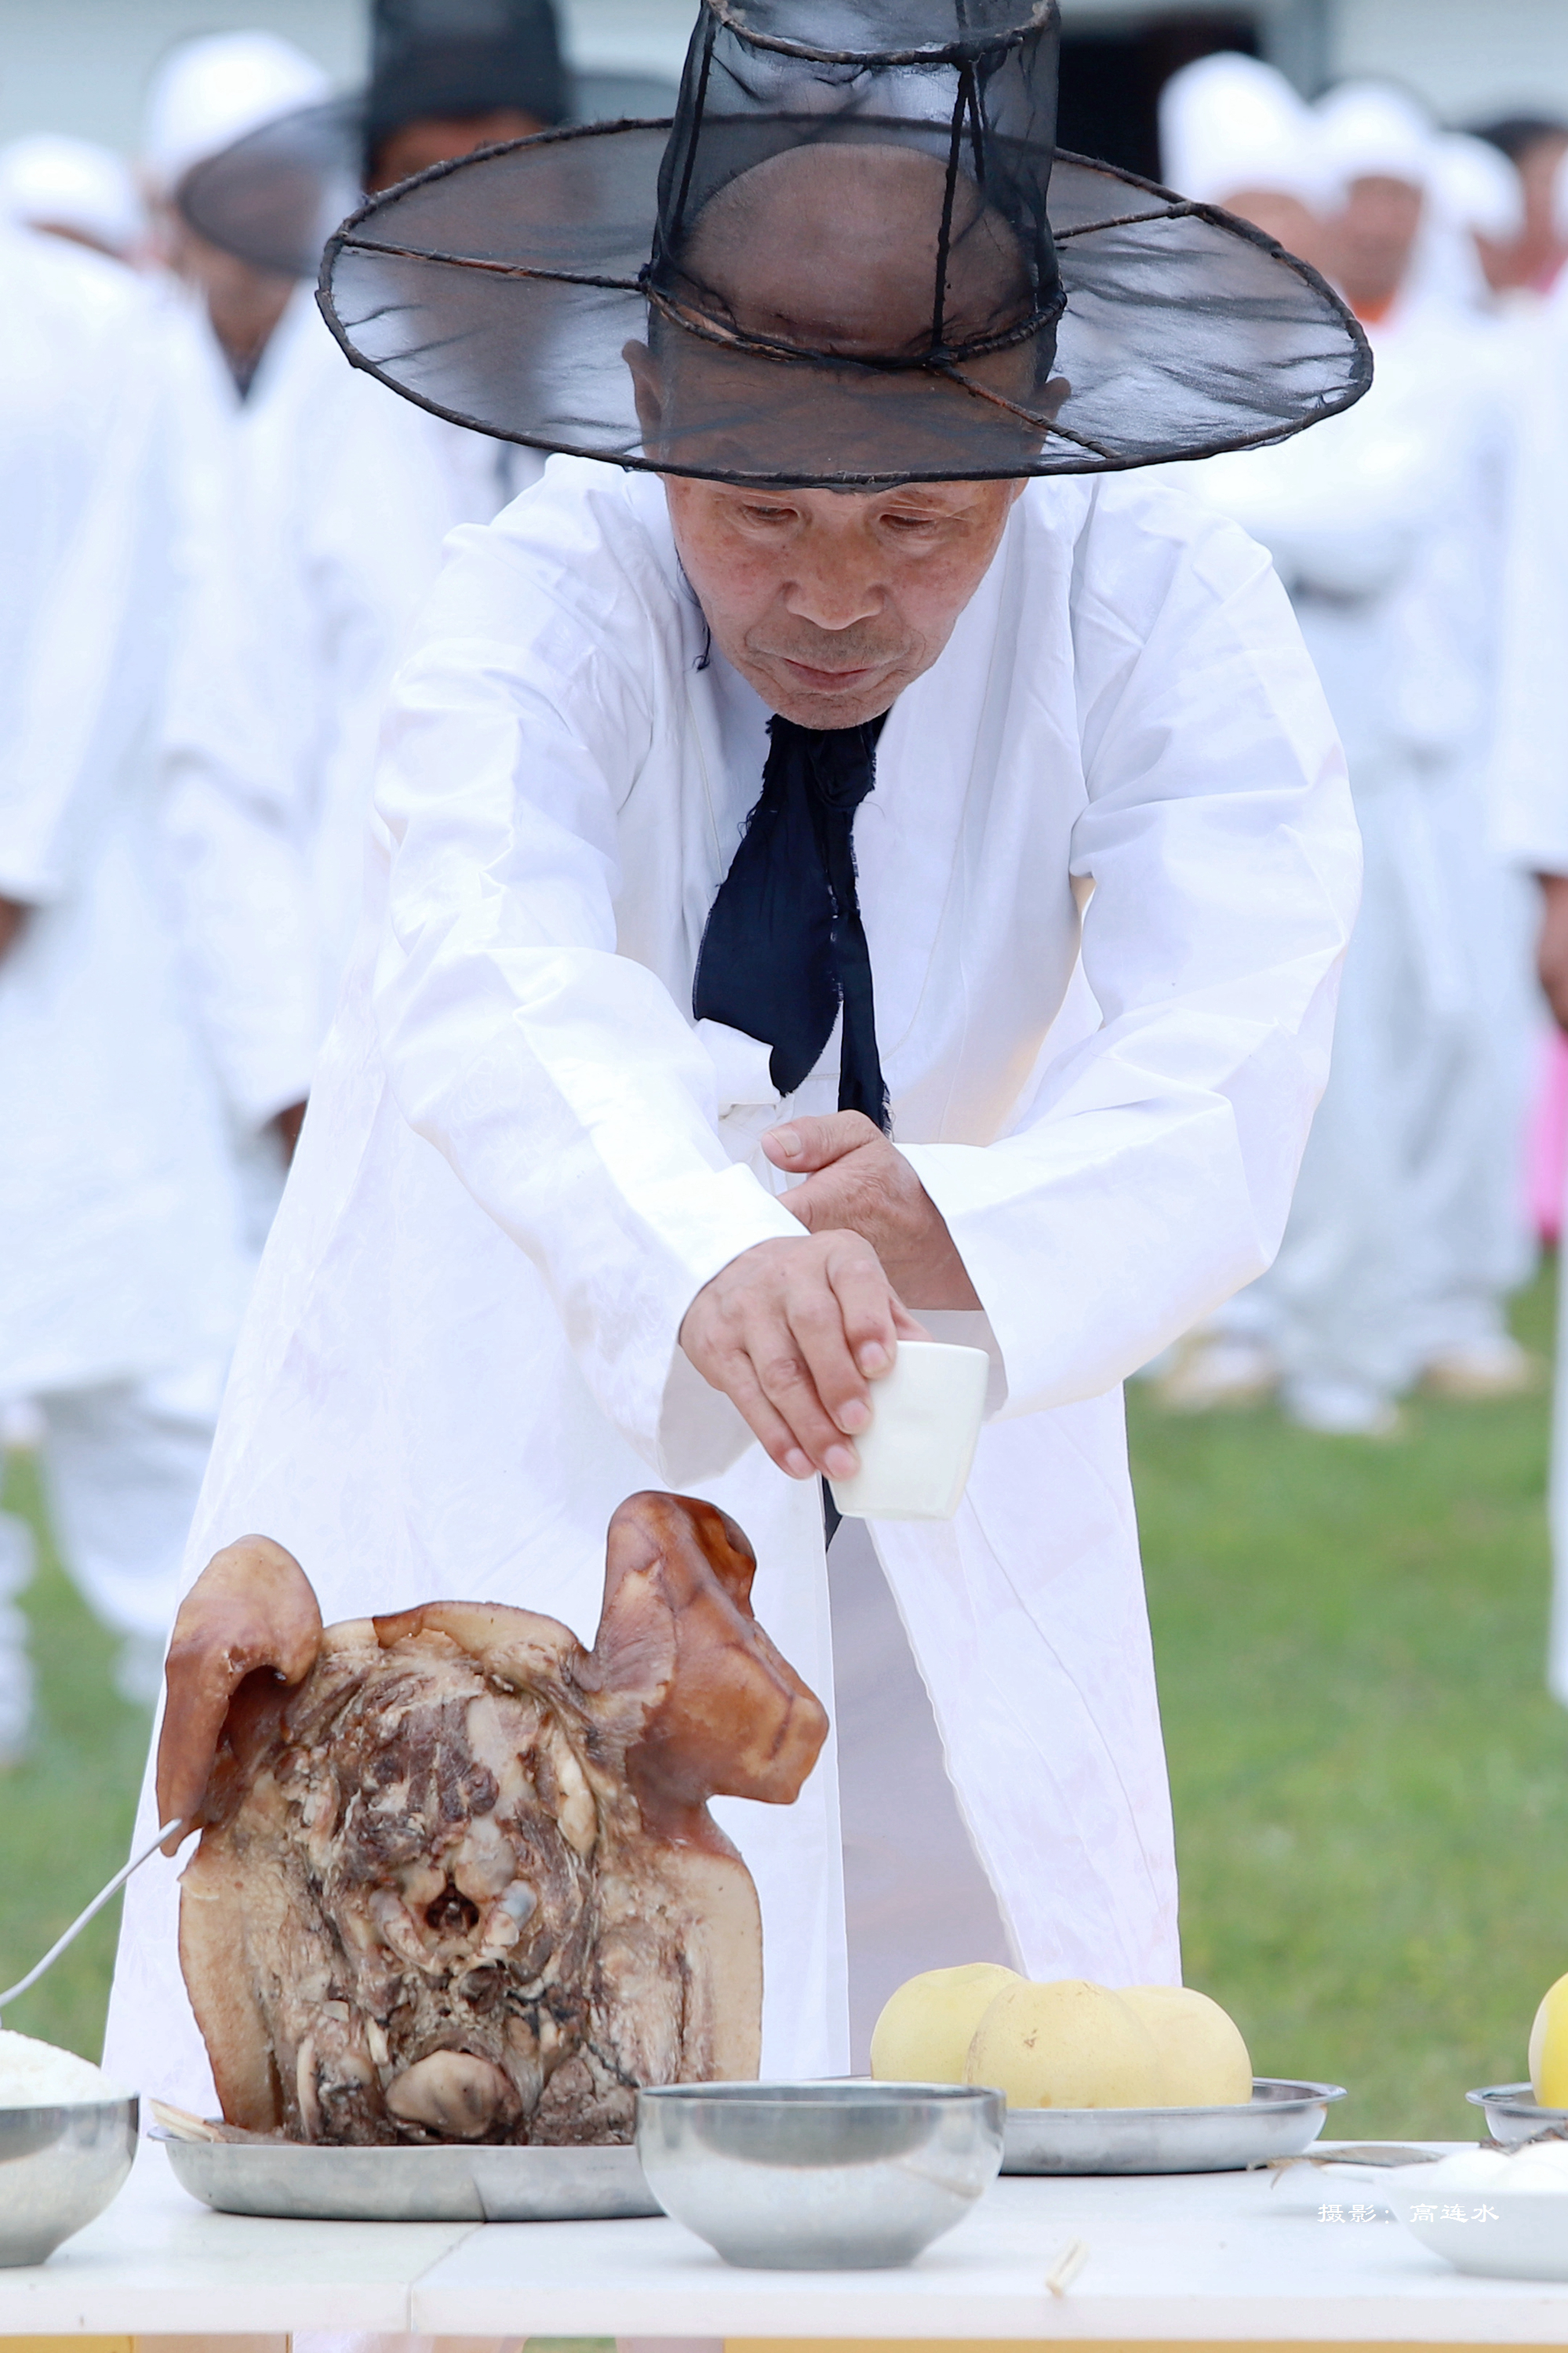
{"x":59,"y":2168}
{"x":1512,"y":2113}
{"x":819,"y":2177}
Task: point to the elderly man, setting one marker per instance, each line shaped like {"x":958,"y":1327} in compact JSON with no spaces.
{"x":650,"y":1128}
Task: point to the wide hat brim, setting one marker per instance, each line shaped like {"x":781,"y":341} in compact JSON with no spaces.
{"x":504,"y":292}
{"x":273,"y":197}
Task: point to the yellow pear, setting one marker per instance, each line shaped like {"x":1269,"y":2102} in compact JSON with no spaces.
{"x":1203,"y":2063}
{"x":1065,"y":2045}
{"x":925,"y":2028}
{"x":1549,"y":2048}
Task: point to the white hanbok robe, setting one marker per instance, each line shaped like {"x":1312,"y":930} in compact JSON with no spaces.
{"x":523,"y":1159}
{"x":324,"y":547}
{"x":1385,"y":524}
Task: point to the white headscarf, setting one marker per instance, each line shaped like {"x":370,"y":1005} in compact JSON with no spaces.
{"x":50,"y":180}
{"x":1474,"y":186}
{"x":1370,"y":130}
{"x":206,"y":93}
{"x":1229,"y":122}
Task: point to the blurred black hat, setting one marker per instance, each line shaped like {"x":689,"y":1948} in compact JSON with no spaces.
{"x":462,"y":57}
{"x":274,"y":197}
{"x":853,"y":257}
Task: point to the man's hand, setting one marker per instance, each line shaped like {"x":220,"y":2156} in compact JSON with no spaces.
{"x":794,"y":1333}
{"x":1552,"y":947}
{"x":13,"y":913}
{"x":857,"y":1182}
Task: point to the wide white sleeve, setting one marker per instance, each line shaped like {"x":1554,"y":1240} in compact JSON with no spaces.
{"x":1152,"y":1174}
{"x":556,"y":1077}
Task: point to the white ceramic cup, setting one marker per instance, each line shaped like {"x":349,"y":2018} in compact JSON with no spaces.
{"x":915,"y":1450}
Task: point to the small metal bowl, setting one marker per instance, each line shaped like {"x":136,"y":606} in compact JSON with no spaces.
{"x":819,"y":2177}
{"x":59,"y":2167}
{"x":1512,"y":2113}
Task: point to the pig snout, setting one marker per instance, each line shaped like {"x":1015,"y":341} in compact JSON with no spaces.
{"x":453,"y":2093}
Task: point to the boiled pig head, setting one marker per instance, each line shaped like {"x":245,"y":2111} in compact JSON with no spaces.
{"x":457,"y":1876}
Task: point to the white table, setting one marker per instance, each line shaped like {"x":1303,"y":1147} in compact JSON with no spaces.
{"x":1243,"y":2258}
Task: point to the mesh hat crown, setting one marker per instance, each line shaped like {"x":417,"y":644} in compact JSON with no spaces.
{"x":853,"y":257}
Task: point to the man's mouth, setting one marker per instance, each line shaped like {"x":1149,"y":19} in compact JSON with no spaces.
{"x":831,"y":681}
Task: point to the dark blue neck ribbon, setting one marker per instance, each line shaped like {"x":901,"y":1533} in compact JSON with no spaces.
{"x":785,"y":946}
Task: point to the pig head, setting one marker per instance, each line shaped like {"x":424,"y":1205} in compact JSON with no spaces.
{"x":457,"y":1877}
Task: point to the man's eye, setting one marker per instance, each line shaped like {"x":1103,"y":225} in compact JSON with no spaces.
{"x":770,"y":514}
{"x":909,"y":524}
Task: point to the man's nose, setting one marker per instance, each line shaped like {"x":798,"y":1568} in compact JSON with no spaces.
{"x":836,"y":583}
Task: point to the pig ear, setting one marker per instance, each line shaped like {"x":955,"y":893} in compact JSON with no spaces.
{"x":722,"y":1714}
{"x":250,"y":1608}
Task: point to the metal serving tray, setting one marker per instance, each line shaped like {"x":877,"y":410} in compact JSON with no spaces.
{"x":1280,"y":2120}
{"x":451,"y":2184}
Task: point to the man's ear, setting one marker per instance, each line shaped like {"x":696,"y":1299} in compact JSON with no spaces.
{"x":648,"y":388}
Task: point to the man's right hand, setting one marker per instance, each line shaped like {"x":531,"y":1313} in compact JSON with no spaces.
{"x":794,"y":1333}
{"x":13,"y":913}
{"x":1552,"y":947}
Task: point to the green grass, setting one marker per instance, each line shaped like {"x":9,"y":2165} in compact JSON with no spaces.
{"x":65,"y":1814}
{"x":1369,"y":1778}
{"x":1371,"y":1784}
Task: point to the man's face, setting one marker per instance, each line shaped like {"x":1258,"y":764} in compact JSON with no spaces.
{"x":1373,"y":237}
{"x":830,"y":602}
{"x":440,"y":139}
{"x":1286,"y":218}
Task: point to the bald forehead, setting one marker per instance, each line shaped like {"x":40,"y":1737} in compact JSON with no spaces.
{"x":836,"y":244}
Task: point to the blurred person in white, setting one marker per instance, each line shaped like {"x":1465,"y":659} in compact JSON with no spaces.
{"x":122,"y":1198}
{"x":121,"y":1281}
{"x":1531,"y":766}
{"x":206,"y":94}
{"x":1526,"y":268}
{"x":320,"y":560}
{"x":75,"y":189}
{"x":1406,"y":1233}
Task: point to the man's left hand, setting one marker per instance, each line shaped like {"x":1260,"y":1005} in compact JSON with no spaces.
{"x":856,"y":1181}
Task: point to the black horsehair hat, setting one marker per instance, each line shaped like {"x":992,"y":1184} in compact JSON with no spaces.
{"x":853,"y":258}
{"x":274,"y":197}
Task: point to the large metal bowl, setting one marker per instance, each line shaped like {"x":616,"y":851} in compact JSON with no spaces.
{"x":1512,"y":2114}
{"x":1280,"y":2120}
{"x":59,"y":2167}
{"x":819,"y":2177}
